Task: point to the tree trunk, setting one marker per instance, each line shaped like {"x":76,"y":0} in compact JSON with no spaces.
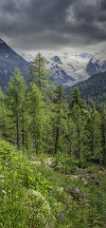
{"x":57,"y":140}
{"x":17,"y":131}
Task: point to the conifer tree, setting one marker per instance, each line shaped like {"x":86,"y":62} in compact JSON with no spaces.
{"x":95,"y":135}
{"x":39,"y":71}
{"x":70,"y":134}
{"x":103,"y":116}
{"x":78,"y":116}
{"x":35,"y":109}
{"x":15,"y":102}
{"x":59,"y":120}
{"x":2,"y":114}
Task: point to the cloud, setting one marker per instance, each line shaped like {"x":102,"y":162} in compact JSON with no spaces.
{"x":88,"y":18}
{"x":49,"y":23}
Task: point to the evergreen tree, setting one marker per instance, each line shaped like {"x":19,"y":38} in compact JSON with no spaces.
{"x":103,"y":116}
{"x":76,"y":99}
{"x":78,"y":115}
{"x":25,"y":119}
{"x":95,"y":135}
{"x":58,"y":120}
{"x":39,"y":71}
{"x":35,"y":109}
{"x":70,"y":134}
{"x":15,"y":102}
{"x":2,"y":113}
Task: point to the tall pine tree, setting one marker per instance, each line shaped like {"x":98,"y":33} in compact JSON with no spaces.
{"x":15,"y":102}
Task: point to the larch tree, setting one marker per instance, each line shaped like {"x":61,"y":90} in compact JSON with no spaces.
{"x":78,"y":115}
{"x":95,"y":135}
{"x":103,"y":128}
{"x":39,"y":71}
{"x":15,"y":102}
{"x":2,"y":114}
{"x":58,"y":120}
{"x":35,"y":109}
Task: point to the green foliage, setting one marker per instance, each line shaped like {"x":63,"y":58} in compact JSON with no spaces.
{"x":33,"y":194}
{"x":15,"y":102}
{"x":22,"y":205}
{"x":33,"y":121}
{"x":36,"y":116}
{"x":39,"y":72}
{"x":2,"y":114}
{"x":66,"y":189}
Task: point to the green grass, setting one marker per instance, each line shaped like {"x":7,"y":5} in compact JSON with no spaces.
{"x":49,"y":192}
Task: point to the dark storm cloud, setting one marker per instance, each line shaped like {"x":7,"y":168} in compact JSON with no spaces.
{"x":47,"y":23}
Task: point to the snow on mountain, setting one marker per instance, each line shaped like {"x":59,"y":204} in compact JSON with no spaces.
{"x":59,"y":75}
{"x":67,"y":67}
{"x":70,"y":67}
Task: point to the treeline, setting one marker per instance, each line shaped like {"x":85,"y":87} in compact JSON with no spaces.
{"x":37,"y":117}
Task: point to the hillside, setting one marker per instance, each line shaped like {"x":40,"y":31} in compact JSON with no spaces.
{"x":9,"y":61}
{"x":52,"y":156}
{"x":49,"y":192}
{"x":93,"y":88}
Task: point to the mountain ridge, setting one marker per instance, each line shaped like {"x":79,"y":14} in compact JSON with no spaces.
{"x":92,"y":89}
{"x":65,"y":70}
{"x":9,"y":61}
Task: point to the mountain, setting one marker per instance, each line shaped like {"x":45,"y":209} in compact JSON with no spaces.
{"x":94,"y":88}
{"x":63,"y":72}
{"x":71,"y":70}
{"x":96,"y":66}
{"x":66,"y":68}
{"x":58,"y":74}
{"x":56,"y":59}
{"x":9,"y":61}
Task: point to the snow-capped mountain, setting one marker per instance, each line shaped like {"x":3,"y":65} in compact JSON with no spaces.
{"x":74,"y":68}
{"x":70,"y":60}
{"x":71,"y":65}
{"x":66,"y":68}
{"x":59,"y":74}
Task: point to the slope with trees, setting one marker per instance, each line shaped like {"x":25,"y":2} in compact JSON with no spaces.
{"x":59,"y":178}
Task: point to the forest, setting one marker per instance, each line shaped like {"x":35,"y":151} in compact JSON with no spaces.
{"x":52,"y":155}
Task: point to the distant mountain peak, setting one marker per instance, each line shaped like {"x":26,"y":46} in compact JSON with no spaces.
{"x":3,"y":43}
{"x":4,"y":48}
{"x":9,"y":61}
{"x":56,"y":59}
{"x":96,"y":66}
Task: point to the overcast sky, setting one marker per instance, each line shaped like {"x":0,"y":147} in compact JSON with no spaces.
{"x":48,"y":24}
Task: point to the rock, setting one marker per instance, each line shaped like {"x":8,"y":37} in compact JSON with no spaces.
{"x":51,"y":163}
{"x":85,"y":182}
{"x":60,"y":169}
{"x":36,"y":163}
{"x":76,"y":193}
{"x":74,"y":177}
{"x":61,"y":216}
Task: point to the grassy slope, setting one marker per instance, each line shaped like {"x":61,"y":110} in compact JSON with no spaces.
{"x":48,"y":192}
